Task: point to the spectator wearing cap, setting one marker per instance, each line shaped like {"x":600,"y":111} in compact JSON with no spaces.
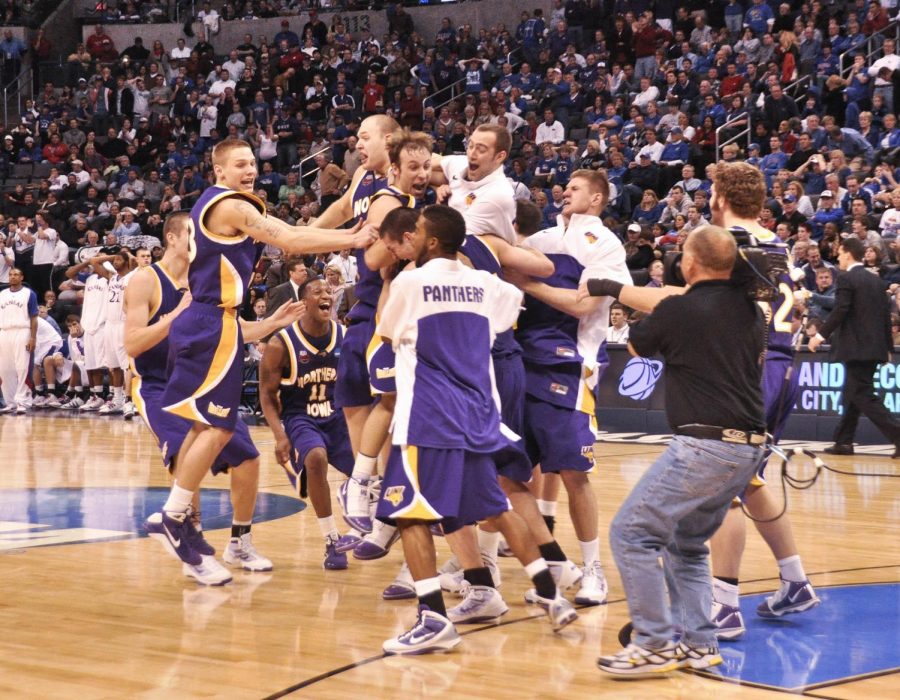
{"x":82,"y":176}
{"x":641,"y":177}
{"x":790,"y":214}
{"x":827,"y":212}
{"x":674,"y":155}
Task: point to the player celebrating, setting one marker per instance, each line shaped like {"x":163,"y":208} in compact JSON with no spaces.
{"x":562,"y":338}
{"x":352,"y":393}
{"x":441,"y":319}
{"x":18,"y":335}
{"x":153,"y":300}
{"x":409,"y":153}
{"x":297,"y":377}
{"x":205,"y":383}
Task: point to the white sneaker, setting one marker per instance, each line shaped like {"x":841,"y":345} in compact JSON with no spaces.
{"x":39,"y":401}
{"x":209,"y":572}
{"x":431,"y":632}
{"x":566,"y":573}
{"x":697,"y":658}
{"x":451,"y":575}
{"x":8,"y":408}
{"x":92,"y":404}
{"x":479,"y":604}
{"x":20,"y":409}
{"x":241,"y":552}
{"x":128,"y":410}
{"x":73,"y":404}
{"x":356,"y":505}
{"x":593,"y":589}
{"x":111,"y":407}
{"x":637,"y":662}
{"x":53,"y":402}
{"x":559,"y":610}
{"x":402,"y":587}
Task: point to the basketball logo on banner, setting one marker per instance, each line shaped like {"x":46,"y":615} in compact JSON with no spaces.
{"x":639,"y":378}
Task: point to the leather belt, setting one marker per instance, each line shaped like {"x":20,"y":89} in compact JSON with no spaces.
{"x":714,"y":432}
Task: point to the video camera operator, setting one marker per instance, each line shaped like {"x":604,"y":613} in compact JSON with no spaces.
{"x":712,"y":340}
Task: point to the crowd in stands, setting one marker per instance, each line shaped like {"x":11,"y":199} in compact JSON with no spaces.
{"x":103,"y":159}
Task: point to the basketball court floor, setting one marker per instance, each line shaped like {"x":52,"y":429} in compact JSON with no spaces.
{"x":92,"y":608}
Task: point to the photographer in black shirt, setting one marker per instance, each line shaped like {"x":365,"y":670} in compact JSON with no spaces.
{"x":712,"y":340}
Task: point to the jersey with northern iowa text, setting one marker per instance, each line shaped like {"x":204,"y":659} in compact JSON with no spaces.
{"x":780,"y":312}
{"x":307,"y":383}
{"x":152,"y":363}
{"x":562,"y":352}
{"x":442,"y":320}
{"x":221,"y":267}
{"x":368,"y":287}
{"x":479,"y":252}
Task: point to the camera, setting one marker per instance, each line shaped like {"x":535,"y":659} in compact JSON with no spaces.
{"x":759,"y":269}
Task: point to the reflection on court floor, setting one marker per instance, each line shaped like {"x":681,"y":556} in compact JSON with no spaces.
{"x":854,"y":632}
{"x":41,"y":517}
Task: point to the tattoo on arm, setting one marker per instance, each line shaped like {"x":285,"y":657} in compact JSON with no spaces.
{"x":254,"y":221}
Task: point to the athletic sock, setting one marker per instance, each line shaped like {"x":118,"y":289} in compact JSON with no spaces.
{"x":328,"y":527}
{"x":118,"y":394}
{"x":791,"y":569}
{"x":428,"y":591}
{"x":551,"y":522}
{"x":239,"y":529}
{"x":488,"y":543}
{"x":552,"y":551}
{"x":382,"y":535}
{"x":179,"y":500}
{"x":726,"y":592}
{"x":97,"y":391}
{"x":51,"y":389}
{"x":363,"y":467}
{"x":547,"y":507}
{"x":480,"y":576}
{"x":40,"y":390}
{"x":540,"y":575}
{"x":590,"y":551}
{"x":196,"y":520}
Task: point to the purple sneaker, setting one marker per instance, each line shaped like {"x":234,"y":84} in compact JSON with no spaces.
{"x":198,"y":542}
{"x":791,"y":597}
{"x":728,"y":621}
{"x":367,"y":549}
{"x":334,"y":559}
{"x":353,"y":496}
{"x":347,"y":542}
{"x":402,"y":587}
{"x":173,"y":531}
{"x":436,"y":530}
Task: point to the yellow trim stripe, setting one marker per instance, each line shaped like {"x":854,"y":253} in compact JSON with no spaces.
{"x":221,"y":362}
{"x":228,"y":240}
{"x":156,"y":299}
{"x":489,"y":247}
{"x":419,"y":508}
{"x":292,"y":356}
{"x":141,"y":405}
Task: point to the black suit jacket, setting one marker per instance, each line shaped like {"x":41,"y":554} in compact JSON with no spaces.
{"x":861,"y":318}
{"x":278,"y":296}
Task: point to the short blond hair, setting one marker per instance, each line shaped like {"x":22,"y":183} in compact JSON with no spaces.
{"x":223,"y":149}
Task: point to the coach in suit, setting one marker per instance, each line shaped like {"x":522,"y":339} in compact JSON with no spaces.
{"x":861,"y":324}
{"x":298,"y":275}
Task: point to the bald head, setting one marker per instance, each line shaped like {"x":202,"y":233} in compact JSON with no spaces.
{"x":709,"y":253}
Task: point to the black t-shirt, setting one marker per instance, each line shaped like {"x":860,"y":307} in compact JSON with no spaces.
{"x":712,"y":339}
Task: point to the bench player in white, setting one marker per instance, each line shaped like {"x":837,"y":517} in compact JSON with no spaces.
{"x":93,"y":319}
{"x":116,"y":359}
{"x":18,"y":335}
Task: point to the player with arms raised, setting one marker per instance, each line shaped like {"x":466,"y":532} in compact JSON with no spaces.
{"x":205,"y":383}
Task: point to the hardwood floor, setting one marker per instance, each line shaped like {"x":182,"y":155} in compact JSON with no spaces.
{"x":89,"y":609}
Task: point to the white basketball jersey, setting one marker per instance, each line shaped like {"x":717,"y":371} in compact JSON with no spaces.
{"x":17,"y":308}
{"x":93,"y":310}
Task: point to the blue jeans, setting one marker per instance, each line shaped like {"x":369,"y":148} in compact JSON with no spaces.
{"x":672,"y":511}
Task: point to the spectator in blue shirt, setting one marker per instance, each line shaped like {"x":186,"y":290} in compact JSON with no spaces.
{"x":775,"y":161}
{"x":759,"y":17}
{"x":851,"y":143}
{"x":826,"y":213}
{"x":713,"y":109}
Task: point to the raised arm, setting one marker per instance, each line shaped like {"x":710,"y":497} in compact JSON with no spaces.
{"x":97,"y":263}
{"x":241,"y":217}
